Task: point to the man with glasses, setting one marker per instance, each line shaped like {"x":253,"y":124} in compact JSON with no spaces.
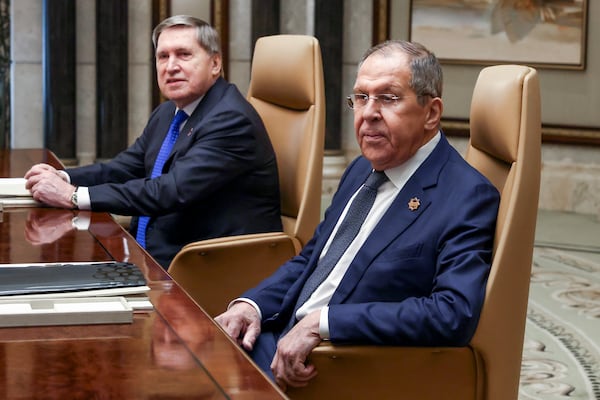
{"x":413,"y":272}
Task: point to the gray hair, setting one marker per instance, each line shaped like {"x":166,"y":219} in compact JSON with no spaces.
{"x":207,"y":36}
{"x":426,"y":72}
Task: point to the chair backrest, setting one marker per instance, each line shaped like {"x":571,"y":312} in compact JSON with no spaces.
{"x":505,"y":145}
{"x":287,"y":90}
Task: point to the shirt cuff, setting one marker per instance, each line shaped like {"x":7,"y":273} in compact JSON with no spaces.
{"x":83,"y":198}
{"x":64,"y":175}
{"x":246,"y":300}
{"x":324,"y":323}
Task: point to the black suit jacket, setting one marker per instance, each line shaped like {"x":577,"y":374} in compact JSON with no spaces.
{"x":220,"y":179}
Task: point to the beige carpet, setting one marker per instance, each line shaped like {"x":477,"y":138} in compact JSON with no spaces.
{"x":561,"y":356}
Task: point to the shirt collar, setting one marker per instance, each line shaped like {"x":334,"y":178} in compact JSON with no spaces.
{"x":401,"y":174}
{"x":189,"y":109}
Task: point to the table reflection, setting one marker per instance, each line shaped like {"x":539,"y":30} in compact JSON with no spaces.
{"x":42,"y":227}
{"x":167,"y":349}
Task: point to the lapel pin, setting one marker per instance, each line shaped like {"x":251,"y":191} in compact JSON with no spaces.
{"x":190,"y":131}
{"x":414,"y":204}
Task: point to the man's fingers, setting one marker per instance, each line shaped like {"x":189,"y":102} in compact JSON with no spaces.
{"x":243,"y":327}
{"x":39,"y":168}
{"x":250,"y":336}
{"x":229,"y":325}
{"x":296,"y":374}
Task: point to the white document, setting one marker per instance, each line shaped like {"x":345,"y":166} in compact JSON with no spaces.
{"x":14,"y":194}
{"x":13,"y":187}
{"x":65,"y":311}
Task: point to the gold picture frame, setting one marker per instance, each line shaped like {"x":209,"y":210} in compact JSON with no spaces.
{"x":574,"y":122}
{"x":546,"y":34}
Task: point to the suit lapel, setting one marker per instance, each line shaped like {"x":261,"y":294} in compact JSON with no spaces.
{"x":349,"y":184}
{"x":337,"y":207}
{"x":393,"y":223}
{"x":164,"y":122}
{"x":397,"y":218}
{"x":164,"y":115}
{"x":211,"y":99}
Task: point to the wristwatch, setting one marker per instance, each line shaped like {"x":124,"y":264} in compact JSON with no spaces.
{"x":74,"y":198}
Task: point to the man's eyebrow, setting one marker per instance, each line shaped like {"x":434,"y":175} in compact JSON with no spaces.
{"x":386,"y":89}
{"x":176,"y":49}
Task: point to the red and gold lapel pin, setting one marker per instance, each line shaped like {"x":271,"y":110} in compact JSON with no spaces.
{"x":414,"y":204}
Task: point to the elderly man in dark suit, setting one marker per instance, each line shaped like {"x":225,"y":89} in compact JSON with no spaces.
{"x":212,"y":174}
{"x":413,"y":270}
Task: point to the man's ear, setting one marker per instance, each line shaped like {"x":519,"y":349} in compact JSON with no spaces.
{"x":434,"y":113}
{"x":216,"y":64}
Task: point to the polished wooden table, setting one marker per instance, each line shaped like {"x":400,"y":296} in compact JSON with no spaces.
{"x":175,"y":351}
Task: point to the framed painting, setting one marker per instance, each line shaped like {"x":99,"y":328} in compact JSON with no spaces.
{"x":539,"y":33}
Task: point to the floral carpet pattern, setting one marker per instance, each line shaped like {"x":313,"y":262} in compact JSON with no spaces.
{"x":561,"y":354}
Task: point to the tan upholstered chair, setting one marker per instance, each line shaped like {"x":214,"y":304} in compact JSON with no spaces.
{"x":505,"y":146}
{"x":286,"y":88}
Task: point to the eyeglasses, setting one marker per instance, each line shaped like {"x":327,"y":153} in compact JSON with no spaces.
{"x":360,"y":100}
{"x":387,"y":100}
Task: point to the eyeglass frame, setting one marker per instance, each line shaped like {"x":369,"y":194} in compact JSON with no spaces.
{"x":391,"y":101}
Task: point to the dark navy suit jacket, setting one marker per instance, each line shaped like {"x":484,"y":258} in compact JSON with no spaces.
{"x":220,"y":179}
{"x":420,"y":277}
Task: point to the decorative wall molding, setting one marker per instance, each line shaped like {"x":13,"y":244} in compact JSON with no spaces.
{"x":550,"y":133}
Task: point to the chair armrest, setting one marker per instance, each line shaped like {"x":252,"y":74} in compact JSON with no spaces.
{"x":214,"y":272}
{"x":390,"y":372}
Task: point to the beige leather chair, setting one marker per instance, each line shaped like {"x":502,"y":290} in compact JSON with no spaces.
{"x":286,"y":88}
{"x":505,"y":146}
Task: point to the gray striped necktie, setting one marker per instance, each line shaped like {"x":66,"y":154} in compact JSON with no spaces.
{"x":347,"y":231}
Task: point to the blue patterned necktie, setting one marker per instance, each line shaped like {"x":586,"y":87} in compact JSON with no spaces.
{"x":347,"y":231}
{"x":162,"y":157}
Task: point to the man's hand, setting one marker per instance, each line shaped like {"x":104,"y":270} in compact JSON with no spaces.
{"x":39,"y":168}
{"x":242,"y":323}
{"x":289,"y":364}
{"x":48,"y":186}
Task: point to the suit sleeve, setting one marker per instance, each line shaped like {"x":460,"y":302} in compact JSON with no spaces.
{"x":223,"y":148}
{"x":125,"y":166}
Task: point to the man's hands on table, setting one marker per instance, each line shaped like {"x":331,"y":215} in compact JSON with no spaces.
{"x":48,"y":186}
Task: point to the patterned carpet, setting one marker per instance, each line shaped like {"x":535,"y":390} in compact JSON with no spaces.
{"x":561,"y":355}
